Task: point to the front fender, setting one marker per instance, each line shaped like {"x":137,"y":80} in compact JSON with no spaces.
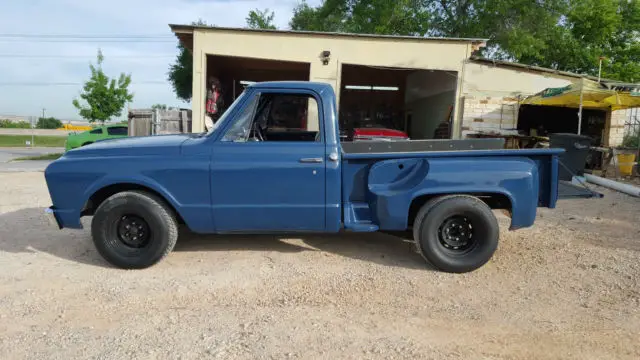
{"x":183,"y":183}
{"x":394,"y":184}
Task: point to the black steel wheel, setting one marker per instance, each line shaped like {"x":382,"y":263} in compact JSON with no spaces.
{"x":457,"y":233}
{"x":134,"y":230}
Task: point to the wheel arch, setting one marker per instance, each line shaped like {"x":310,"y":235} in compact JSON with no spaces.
{"x":98,"y":196}
{"x":495,"y":199}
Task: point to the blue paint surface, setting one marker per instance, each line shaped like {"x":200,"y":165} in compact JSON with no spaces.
{"x":219,"y":186}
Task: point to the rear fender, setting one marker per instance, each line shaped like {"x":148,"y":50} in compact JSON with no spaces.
{"x":393,"y":185}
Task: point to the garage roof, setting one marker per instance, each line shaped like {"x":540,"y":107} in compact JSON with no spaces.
{"x":185,"y":34}
{"x":519,"y":66}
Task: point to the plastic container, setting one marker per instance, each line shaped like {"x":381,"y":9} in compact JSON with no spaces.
{"x":625,"y":163}
{"x":575,"y":156}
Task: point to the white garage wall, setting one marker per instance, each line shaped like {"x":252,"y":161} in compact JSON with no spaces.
{"x":429,"y":95}
{"x":490,"y":96}
{"x":482,"y":79}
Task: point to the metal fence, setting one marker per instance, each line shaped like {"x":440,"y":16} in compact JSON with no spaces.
{"x":632,"y":122}
{"x":145,"y":122}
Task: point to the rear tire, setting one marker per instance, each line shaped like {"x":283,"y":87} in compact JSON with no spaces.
{"x":134,"y":229}
{"x":456,"y":233}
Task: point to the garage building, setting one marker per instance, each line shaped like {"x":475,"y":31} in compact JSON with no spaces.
{"x":411,"y":84}
{"x":404,"y":83}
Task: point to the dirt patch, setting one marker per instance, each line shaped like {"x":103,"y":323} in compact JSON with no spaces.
{"x":566,"y":288}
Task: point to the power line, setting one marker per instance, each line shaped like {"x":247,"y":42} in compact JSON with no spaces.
{"x":84,"y":36}
{"x":86,"y":40}
{"x":151,"y":82}
{"x":37,"y":56}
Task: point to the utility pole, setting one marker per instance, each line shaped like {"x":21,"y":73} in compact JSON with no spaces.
{"x":43,"y":109}
{"x":600,"y":67}
{"x":33,"y":126}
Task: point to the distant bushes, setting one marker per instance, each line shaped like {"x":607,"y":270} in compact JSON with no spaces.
{"x":8,"y":124}
{"x":48,"y":123}
{"x":43,"y":123}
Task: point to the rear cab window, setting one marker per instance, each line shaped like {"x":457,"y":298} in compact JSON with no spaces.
{"x":118,"y":130}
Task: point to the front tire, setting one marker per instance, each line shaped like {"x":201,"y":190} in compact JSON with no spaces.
{"x":134,"y":229}
{"x":456,"y":233}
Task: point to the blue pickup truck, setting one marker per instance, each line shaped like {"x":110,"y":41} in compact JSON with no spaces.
{"x":264,"y":170}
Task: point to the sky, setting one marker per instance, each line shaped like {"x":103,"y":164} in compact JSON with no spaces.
{"x":39,"y":72}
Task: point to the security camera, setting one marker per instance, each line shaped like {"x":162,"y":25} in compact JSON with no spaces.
{"x":325,"y":56}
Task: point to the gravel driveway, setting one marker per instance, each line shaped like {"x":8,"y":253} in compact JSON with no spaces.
{"x":566,"y":288}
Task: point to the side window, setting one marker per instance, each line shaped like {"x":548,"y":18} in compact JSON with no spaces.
{"x":241,"y":128}
{"x":288,"y":117}
{"x":96,"y":131}
{"x":293,"y":112}
{"x":119,"y":130}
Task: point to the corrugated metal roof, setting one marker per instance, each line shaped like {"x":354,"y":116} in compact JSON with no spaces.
{"x":176,"y":28}
{"x":531,"y":67}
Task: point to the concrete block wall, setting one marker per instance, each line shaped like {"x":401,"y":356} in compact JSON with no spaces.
{"x":615,"y":123}
{"x":489,"y":115}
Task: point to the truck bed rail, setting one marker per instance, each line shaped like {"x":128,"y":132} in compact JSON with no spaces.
{"x":404,"y":146}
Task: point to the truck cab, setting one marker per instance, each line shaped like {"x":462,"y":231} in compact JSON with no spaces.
{"x":274,"y":163}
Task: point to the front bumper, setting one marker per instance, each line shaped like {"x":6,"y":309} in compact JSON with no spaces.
{"x":50,"y":214}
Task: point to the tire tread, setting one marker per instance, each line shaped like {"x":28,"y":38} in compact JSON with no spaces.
{"x":427,"y":208}
{"x":159,"y":206}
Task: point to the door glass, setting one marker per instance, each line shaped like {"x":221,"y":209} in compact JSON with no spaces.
{"x":96,"y":131}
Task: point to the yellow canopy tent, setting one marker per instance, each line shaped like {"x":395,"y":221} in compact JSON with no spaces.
{"x":590,"y":94}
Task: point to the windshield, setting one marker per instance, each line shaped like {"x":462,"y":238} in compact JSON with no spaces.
{"x":224,"y":116}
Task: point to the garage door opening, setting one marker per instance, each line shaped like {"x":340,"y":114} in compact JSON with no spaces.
{"x":235,"y":73}
{"x":544,"y":120}
{"x":396,"y":102}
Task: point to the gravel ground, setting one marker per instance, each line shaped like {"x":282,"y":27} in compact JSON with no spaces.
{"x":565,"y":289}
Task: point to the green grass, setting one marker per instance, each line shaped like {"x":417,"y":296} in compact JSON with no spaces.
{"x":40,"y":141}
{"x":52,"y":156}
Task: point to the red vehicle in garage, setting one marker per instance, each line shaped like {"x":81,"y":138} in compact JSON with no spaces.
{"x":369,"y":130}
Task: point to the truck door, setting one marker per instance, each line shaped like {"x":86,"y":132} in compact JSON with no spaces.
{"x":268,"y":165}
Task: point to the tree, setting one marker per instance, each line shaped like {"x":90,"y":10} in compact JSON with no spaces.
{"x":401,"y":17}
{"x":260,"y":19}
{"x":103,"y":98}
{"x":180,"y":73}
{"x":569,"y":35}
{"x":48,"y":123}
{"x":159,"y":107}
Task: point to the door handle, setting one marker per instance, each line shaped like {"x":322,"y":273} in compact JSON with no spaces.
{"x":311,"y":160}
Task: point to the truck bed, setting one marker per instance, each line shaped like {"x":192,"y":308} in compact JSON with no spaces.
{"x":412,"y":146}
{"x":382,"y":180}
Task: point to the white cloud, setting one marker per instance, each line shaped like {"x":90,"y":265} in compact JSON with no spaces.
{"x":146,"y":61}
